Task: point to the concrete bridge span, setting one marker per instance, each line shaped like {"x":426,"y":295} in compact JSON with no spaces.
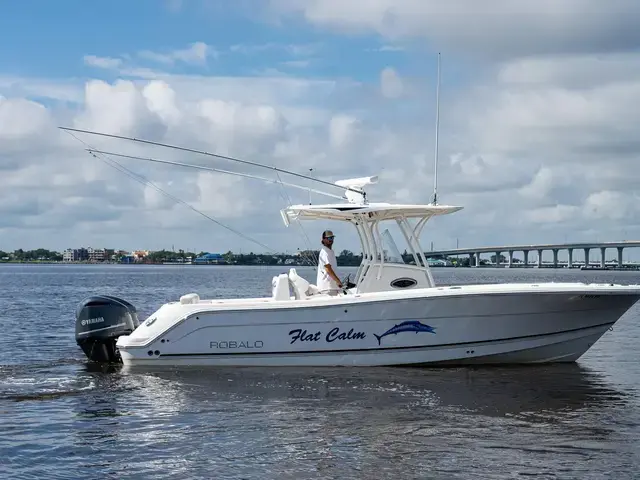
{"x":474,"y":253}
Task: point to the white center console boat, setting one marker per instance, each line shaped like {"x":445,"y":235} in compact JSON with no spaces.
{"x":394,"y":314}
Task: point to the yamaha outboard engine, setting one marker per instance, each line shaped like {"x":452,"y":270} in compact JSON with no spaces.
{"x":100,"y":320}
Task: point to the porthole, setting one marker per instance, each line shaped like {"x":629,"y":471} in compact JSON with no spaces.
{"x":403,"y":283}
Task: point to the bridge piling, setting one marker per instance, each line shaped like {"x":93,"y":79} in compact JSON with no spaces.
{"x":475,"y":253}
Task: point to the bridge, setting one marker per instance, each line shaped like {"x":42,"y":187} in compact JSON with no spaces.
{"x":474,"y":253}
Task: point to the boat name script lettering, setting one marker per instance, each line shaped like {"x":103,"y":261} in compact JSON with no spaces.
{"x":334,"y":334}
{"x":236,"y":344}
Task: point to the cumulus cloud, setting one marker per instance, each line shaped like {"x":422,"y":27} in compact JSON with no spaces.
{"x":296,"y":50}
{"x":102,"y":62}
{"x":613,"y":206}
{"x":21,"y":119}
{"x":548,"y":183}
{"x":493,"y":28}
{"x":196,"y":54}
{"x":56,"y":187}
{"x":390,"y":83}
{"x":544,"y":131}
{"x":551,"y":215}
{"x":341,"y":129}
{"x":539,"y":142}
{"x":583,"y":71}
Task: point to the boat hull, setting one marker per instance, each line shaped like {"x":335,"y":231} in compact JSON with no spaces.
{"x":456,"y":329}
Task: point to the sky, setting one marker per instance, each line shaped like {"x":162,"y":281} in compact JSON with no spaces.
{"x":537,"y":137}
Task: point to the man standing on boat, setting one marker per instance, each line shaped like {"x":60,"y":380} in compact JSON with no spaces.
{"x":327,"y":279}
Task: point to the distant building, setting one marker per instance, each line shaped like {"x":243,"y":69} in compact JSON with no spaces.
{"x":96,"y":254}
{"x":75,"y":255}
{"x":117,"y":255}
{"x":439,"y":262}
{"x":210,"y":259}
{"x":140,"y":255}
{"x":84,"y":254}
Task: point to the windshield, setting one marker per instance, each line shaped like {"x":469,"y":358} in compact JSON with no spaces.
{"x":391,"y":252}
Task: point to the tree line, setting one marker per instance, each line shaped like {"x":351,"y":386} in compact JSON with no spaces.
{"x":346,"y":257}
{"x":38,"y":255}
{"x":303,"y":257}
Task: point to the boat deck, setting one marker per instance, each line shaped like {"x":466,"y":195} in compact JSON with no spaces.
{"x":193,"y":300}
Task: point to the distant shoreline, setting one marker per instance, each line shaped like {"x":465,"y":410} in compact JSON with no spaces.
{"x":628,"y":268}
{"x":166,"y":264}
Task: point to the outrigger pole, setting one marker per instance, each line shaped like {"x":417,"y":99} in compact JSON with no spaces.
{"x":202,"y":152}
{"x":211,"y":169}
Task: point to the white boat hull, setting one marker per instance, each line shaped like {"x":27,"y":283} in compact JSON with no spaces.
{"x":394,"y":314}
{"x":493,"y":324}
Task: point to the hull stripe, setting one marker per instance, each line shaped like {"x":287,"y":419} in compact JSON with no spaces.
{"x":246,"y":353}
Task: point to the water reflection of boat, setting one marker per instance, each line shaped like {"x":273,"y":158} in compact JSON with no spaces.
{"x":325,"y":419}
{"x":494,"y":391}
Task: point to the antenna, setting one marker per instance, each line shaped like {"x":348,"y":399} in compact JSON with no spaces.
{"x":435,"y":170}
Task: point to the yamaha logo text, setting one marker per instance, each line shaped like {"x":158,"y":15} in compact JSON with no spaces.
{"x":90,"y":321}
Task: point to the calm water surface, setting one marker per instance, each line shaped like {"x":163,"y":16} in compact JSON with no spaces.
{"x":62,"y":418}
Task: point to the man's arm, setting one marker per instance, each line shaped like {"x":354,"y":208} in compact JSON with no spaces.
{"x":332,"y":274}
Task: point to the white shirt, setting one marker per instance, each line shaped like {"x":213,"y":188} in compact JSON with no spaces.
{"x":324,"y":281}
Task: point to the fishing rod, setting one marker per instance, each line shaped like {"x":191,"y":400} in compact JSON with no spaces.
{"x":200,"y":167}
{"x":211,"y":169}
{"x":104,"y":157}
{"x":142,"y":180}
{"x":202,"y":152}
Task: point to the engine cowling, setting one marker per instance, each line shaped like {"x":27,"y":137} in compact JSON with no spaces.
{"x":100,"y":320}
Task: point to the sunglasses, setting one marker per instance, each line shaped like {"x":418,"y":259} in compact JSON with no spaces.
{"x":329,"y":238}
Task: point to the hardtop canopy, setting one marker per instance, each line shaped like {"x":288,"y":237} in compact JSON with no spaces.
{"x":370,"y":211}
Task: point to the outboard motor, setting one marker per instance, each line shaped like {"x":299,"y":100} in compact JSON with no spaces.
{"x":100,"y":320}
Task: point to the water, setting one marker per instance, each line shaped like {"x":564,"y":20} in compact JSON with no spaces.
{"x":61,"y":418}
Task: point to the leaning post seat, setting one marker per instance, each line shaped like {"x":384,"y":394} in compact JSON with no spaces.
{"x":301,"y":287}
{"x":280,"y":287}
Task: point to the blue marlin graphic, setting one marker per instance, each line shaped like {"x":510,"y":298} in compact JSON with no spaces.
{"x":408,"y":326}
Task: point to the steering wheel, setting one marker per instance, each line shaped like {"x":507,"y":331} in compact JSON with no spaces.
{"x":347,"y":283}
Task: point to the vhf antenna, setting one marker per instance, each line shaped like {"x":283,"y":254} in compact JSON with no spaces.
{"x":435,"y":174}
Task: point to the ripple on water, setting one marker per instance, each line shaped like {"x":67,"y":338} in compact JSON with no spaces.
{"x":62,"y":418}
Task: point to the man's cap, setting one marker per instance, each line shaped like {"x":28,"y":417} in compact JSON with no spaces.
{"x":327,"y":233}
